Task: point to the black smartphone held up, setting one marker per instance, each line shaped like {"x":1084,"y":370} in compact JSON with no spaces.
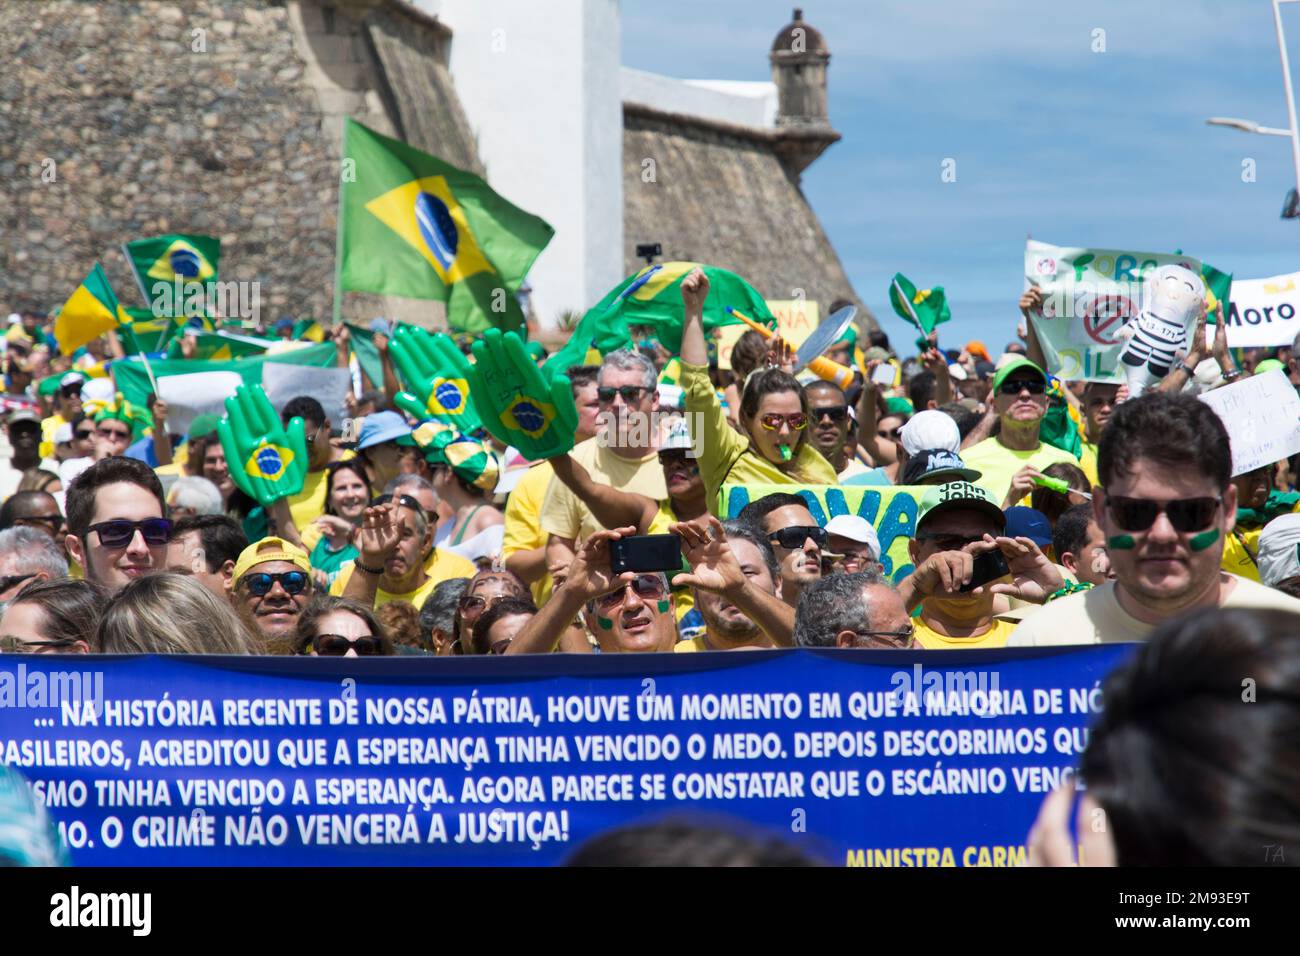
{"x":646,"y":552}
{"x":989,"y":566}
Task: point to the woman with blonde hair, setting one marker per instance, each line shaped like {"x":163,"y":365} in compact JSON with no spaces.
{"x":171,"y":614}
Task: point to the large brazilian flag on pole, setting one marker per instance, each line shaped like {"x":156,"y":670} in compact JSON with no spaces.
{"x":412,"y":225}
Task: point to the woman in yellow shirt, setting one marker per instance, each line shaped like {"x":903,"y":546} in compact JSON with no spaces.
{"x":773,"y":416}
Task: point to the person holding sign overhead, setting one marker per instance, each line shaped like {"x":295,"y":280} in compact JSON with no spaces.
{"x":773,"y":415}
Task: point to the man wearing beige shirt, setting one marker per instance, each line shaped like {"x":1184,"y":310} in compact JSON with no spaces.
{"x":1166,"y":504}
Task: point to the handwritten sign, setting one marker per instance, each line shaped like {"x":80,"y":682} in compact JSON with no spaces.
{"x":795,"y":318}
{"x":1262,"y":415}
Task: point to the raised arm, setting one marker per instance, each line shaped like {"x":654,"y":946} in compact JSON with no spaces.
{"x":1031,"y":303}
{"x":611,"y":506}
{"x":868,"y":415}
{"x":695,"y":289}
{"x":381,"y":531}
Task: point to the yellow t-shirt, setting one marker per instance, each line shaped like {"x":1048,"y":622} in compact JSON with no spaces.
{"x":726,"y":457}
{"x":1095,"y":616}
{"x":563,"y":514}
{"x":1088,"y":463}
{"x":524,"y":521}
{"x":441,"y":566}
{"x":309,"y":504}
{"x":999,"y":464}
{"x":48,"y":427}
{"x":932,"y":640}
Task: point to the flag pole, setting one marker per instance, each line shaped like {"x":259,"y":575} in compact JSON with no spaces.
{"x":338,"y":231}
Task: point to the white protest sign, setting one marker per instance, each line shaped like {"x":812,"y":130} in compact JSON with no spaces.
{"x":284,"y":382}
{"x":1264,"y":312}
{"x":194,"y":394}
{"x":1262,"y":415}
{"x":1088,"y":296}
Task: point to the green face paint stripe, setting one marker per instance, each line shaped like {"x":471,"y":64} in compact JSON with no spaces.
{"x":1203,"y":540}
{"x":605,"y":623}
{"x":1121,"y":542}
{"x":663,"y":606}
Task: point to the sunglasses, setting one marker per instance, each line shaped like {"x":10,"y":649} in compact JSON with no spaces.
{"x":948,"y":542}
{"x":890,"y":640}
{"x":113,"y":433}
{"x":1031,"y":385}
{"x":648,"y":587}
{"x":772,"y":421}
{"x":119,"y":532}
{"x":406,"y":501}
{"x":1185,"y":514}
{"x":68,"y":391}
{"x":792,"y":539}
{"x":336,"y":645}
{"x":836,"y":413}
{"x":631,"y":393}
{"x":83,"y":435}
{"x":475,"y":604}
{"x":260,"y":584}
{"x":16,"y":645}
{"x":891,"y":435}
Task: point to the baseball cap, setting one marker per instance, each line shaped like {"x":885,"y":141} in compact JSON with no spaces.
{"x":855,"y":528}
{"x":72,"y":378}
{"x":283,"y":323}
{"x":1015,"y":364}
{"x":930,"y":429}
{"x":1028,"y":523}
{"x":959,"y":494}
{"x":423,"y":435}
{"x":1279,"y":550}
{"x":930,"y":464}
{"x":677,"y":436}
{"x":203,"y":425}
{"x":23,"y":415}
{"x":897,"y":405}
{"x":380,"y":427}
{"x":270,"y":549}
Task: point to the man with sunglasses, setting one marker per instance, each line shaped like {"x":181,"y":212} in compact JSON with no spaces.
{"x":828,"y":410}
{"x":1166,"y":505}
{"x":858,"y":609}
{"x":117,"y":531}
{"x":957,"y":524}
{"x":33,"y":509}
{"x":27,"y":556}
{"x":795,"y":538}
{"x":269,"y":587}
{"x":23,"y":427}
{"x":621,"y":455}
{"x":1020,"y":401}
{"x":67,"y":406}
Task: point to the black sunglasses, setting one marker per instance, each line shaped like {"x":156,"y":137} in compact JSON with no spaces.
{"x":67,"y":391}
{"x":119,"y":532}
{"x":648,"y":587}
{"x":55,"y":522}
{"x":260,"y":584}
{"x":336,"y":645}
{"x":1185,"y":514}
{"x":792,"y":539}
{"x":406,"y":501}
{"x":10,"y":580}
{"x":836,"y":413}
{"x":1031,"y":385}
{"x":605,"y":393}
{"x":83,"y":435}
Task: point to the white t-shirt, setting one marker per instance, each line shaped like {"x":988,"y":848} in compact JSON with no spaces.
{"x":1095,"y":616}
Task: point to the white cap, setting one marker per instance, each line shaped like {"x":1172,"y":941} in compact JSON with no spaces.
{"x":14,"y":318}
{"x":958,"y":372}
{"x":676,"y":436}
{"x":931,"y":429}
{"x":855,"y":528}
{"x":1279,"y":550}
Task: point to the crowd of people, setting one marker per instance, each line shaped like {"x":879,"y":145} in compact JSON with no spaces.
{"x":1048,"y":512}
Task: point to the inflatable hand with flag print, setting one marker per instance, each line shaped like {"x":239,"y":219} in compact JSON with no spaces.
{"x":437,"y":374}
{"x":518,"y":402}
{"x":267,"y":461}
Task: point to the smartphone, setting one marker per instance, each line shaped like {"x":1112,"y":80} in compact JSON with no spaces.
{"x":989,"y":566}
{"x":883,"y":375}
{"x":646,"y":552}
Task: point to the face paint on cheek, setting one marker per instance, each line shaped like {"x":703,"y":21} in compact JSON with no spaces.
{"x":1204,"y":540}
{"x":604,"y":623}
{"x":1121,"y":542}
{"x":663,"y":606}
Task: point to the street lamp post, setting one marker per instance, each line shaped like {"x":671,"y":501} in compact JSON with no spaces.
{"x":1290,"y":211}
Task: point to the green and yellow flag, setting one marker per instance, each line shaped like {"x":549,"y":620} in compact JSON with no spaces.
{"x":90,"y":311}
{"x":190,"y":258}
{"x":653,"y":298}
{"x":415,"y":226}
{"x":924,"y":308}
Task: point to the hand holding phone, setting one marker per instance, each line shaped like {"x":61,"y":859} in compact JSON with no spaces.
{"x":645,"y":552}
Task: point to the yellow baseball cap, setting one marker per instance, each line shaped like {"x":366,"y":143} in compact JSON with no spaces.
{"x":270,"y":549}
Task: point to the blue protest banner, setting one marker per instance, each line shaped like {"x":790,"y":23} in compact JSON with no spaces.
{"x":873,"y":758}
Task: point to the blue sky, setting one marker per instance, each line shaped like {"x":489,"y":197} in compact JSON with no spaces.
{"x":1078,"y":148}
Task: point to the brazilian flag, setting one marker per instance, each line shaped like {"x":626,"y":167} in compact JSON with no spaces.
{"x":415,"y":226}
{"x":90,"y":311}
{"x":221,"y":346}
{"x":167,"y":258}
{"x":653,"y":297}
{"x":924,"y":308}
{"x":308,"y":330}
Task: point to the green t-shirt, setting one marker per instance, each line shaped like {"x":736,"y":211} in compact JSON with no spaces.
{"x":330,"y":561}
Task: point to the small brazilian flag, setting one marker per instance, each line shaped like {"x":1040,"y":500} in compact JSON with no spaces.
{"x":167,"y":258}
{"x":415,"y":226}
{"x":924,"y":308}
{"x":90,"y":311}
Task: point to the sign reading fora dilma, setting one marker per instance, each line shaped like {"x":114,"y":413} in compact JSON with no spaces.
{"x":871,"y":758}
